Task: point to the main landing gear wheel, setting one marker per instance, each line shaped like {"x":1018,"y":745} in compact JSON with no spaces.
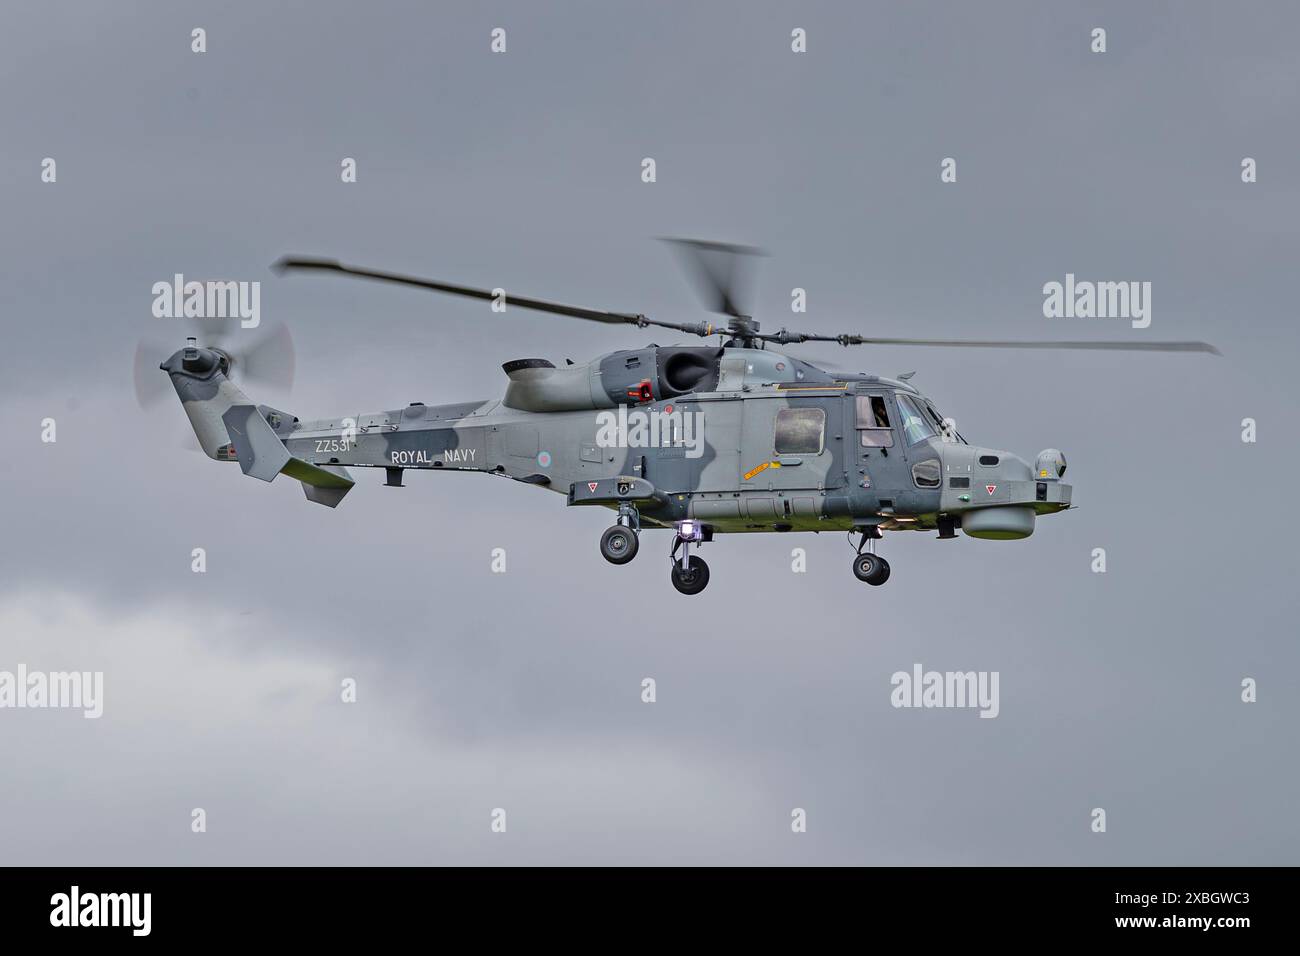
{"x":871,"y":568}
{"x":692,"y":579}
{"x":618,"y":545}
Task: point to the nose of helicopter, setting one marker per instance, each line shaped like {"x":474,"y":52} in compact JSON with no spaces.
{"x":997,"y":494}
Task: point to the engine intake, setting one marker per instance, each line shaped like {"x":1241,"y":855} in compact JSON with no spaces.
{"x":630,"y":377}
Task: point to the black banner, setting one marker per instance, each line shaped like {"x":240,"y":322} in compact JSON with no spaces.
{"x":1165,"y":906}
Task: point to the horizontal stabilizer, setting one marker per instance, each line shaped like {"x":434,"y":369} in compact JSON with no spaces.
{"x":331,"y":477}
{"x":324,"y":484}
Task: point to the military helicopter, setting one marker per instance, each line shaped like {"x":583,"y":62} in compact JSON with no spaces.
{"x":736,"y":437}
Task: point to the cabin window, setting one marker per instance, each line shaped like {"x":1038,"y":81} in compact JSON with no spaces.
{"x":915,"y":426}
{"x":800,"y":431}
{"x":873,"y":422}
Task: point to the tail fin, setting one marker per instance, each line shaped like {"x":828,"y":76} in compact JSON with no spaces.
{"x":222,"y":416}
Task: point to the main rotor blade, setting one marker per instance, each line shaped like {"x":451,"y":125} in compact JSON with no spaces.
{"x":1107,"y":345}
{"x":717,"y":268}
{"x":305,"y":263}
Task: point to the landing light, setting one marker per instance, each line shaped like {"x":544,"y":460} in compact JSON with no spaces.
{"x":690,"y":530}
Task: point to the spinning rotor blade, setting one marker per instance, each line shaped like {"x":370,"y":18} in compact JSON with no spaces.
{"x":150,"y":387}
{"x":304,"y":263}
{"x":268,"y":361}
{"x":1118,"y":346}
{"x":719,"y":273}
{"x":718,"y":269}
{"x":210,"y":333}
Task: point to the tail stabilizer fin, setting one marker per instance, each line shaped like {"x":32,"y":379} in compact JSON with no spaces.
{"x":260,"y":453}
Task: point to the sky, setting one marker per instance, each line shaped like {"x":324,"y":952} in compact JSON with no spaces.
{"x":522,"y":691}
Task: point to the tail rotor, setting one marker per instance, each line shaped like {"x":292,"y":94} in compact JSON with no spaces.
{"x":263,"y":359}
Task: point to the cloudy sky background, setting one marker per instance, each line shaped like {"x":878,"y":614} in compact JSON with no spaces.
{"x":522,"y":691}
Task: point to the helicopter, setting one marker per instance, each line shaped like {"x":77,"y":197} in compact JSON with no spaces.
{"x":702,"y":440}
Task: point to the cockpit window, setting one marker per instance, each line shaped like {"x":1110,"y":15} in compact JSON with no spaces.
{"x":873,"y":422}
{"x":915,"y":425}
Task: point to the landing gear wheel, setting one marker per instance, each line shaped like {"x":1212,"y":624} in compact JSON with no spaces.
{"x":694,"y":578}
{"x":871,"y":568}
{"x":618,"y":545}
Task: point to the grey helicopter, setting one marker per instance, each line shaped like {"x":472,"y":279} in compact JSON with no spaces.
{"x":702,"y":440}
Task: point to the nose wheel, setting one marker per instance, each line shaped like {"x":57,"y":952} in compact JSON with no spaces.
{"x":869,"y":567}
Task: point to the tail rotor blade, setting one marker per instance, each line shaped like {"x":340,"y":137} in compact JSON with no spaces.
{"x":211,"y":333}
{"x":266,"y":361}
{"x":151,"y":386}
{"x":269,"y":361}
